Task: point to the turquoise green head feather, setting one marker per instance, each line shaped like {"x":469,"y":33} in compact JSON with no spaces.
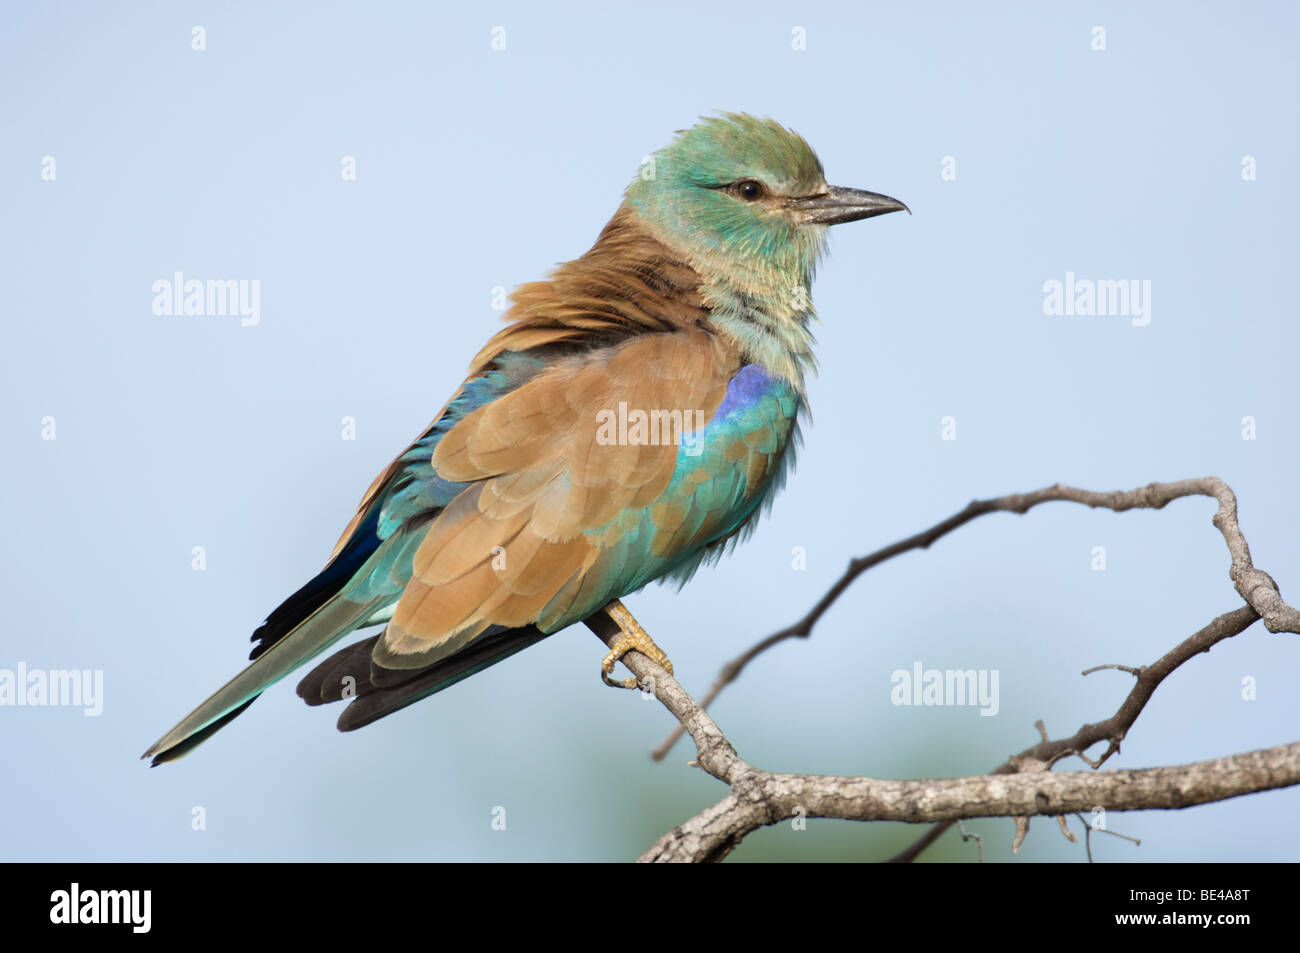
{"x":718,"y":193}
{"x":747,"y":201}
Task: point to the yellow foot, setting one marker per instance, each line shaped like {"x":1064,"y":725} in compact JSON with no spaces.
{"x":634,"y":638}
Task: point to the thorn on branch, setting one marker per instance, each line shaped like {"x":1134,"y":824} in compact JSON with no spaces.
{"x":1135,"y":672}
{"x":1022,"y":831}
{"x":979,"y":841}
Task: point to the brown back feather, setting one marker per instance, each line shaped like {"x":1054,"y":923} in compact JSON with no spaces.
{"x":627,"y":283}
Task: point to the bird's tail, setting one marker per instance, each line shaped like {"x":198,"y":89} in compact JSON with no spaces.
{"x":350,"y":674}
{"x":317,"y":632}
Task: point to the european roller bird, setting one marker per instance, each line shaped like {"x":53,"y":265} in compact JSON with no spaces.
{"x":633,"y":418}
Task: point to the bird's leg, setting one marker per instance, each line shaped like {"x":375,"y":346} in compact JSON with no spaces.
{"x":633,"y":638}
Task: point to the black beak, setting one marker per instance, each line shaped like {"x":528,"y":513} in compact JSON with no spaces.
{"x":838,"y":205}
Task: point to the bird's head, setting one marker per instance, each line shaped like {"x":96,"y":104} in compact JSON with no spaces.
{"x":746,"y":199}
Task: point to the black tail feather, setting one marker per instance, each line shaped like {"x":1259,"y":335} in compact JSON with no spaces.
{"x":350,"y":673}
{"x":345,"y":674}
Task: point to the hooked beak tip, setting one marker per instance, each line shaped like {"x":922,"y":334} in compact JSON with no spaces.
{"x":838,"y":205}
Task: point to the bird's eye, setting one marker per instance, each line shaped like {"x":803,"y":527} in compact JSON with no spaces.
{"x":749,"y":190}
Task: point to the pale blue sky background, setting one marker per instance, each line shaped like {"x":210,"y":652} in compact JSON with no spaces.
{"x":479,"y":168}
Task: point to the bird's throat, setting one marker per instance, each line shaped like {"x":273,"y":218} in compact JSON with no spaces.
{"x":766,"y":331}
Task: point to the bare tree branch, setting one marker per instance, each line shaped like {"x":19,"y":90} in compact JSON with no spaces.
{"x":1024,"y":786}
{"x":1254,"y":585}
{"x":759,"y":798}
